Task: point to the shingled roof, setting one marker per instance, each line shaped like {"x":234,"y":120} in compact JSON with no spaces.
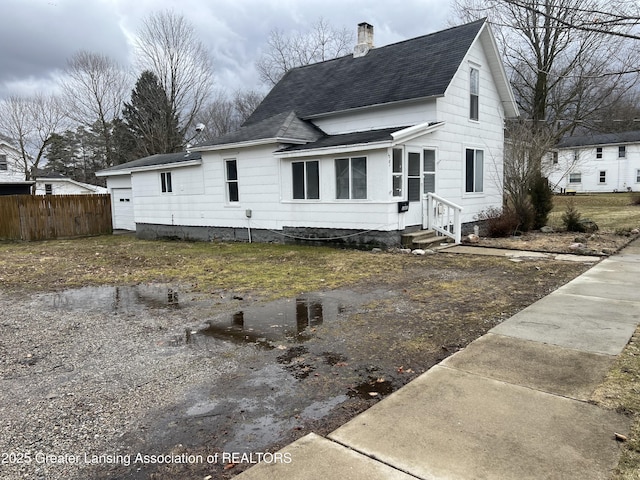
{"x":601,"y":139}
{"x":285,"y":125}
{"x":417,"y":68}
{"x":154,"y":160}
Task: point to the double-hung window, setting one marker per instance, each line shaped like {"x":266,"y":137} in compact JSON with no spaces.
{"x":351,"y":178}
{"x":602,"y":176}
{"x":474,"y":91}
{"x":598,"y":152}
{"x":575,"y":177}
{"x":231,"y":180}
{"x":4,"y":165}
{"x":622,"y":151}
{"x":474,"y":171}
{"x":306,"y":180}
{"x":165,"y":182}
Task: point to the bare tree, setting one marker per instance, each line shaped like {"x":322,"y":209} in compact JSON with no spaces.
{"x":225,"y":114}
{"x":561,"y":74}
{"x":284,"y":52}
{"x":245,"y":102}
{"x":167,"y":45}
{"x":31,"y":122}
{"x":599,"y":18}
{"x":95,"y":87}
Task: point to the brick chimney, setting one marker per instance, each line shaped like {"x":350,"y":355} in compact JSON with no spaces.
{"x":365,"y":40}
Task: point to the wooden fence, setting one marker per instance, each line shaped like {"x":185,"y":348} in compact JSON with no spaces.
{"x":42,"y":217}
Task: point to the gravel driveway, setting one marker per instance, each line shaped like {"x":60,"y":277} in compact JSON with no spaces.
{"x":152,"y":381}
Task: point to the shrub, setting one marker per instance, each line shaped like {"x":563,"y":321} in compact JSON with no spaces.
{"x":571,"y":218}
{"x":499,"y":222}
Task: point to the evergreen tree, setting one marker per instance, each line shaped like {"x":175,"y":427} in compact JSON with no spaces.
{"x":541,"y":200}
{"x":151,"y":122}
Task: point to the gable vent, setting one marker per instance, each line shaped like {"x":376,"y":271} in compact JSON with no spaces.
{"x":365,"y":40}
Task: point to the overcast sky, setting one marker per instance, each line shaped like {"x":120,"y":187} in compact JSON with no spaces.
{"x":38,"y":36}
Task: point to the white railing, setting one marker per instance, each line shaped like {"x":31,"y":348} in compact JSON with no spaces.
{"x":443,"y":217}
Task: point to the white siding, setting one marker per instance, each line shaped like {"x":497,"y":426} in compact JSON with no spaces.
{"x":63,"y":187}
{"x":265,"y":188}
{"x":14,"y":171}
{"x":460,"y":133}
{"x":397,"y":115}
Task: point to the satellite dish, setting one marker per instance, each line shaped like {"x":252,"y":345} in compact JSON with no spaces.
{"x":200,"y":127}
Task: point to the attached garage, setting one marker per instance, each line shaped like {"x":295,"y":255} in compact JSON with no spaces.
{"x":120,"y":185}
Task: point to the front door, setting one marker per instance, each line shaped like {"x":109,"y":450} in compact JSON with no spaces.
{"x":421,"y":179}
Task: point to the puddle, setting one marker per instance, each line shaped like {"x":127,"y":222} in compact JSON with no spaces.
{"x":112,"y":299}
{"x":320,"y":409}
{"x":373,"y":387}
{"x":282,"y":320}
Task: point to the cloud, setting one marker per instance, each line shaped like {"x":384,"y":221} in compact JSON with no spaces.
{"x":38,"y":36}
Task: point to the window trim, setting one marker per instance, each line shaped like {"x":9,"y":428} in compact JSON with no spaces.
{"x":574,"y":175}
{"x":166,"y":185}
{"x":475,"y":178}
{"x":231,"y":196}
{"x":474,"y":93}
{"x":397,"y":178}
{"x":622,"y":151}
{"x":602,"y":177}
{"x":350,"y":172}
{"x":4,"y":163}
{"x":306,"y":180}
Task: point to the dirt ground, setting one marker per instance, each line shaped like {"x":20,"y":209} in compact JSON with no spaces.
{"x":562,"y":242}
{"x":109,"y":372}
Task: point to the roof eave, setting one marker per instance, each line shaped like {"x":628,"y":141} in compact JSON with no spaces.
{"x":146,"y":168}
{"x":409,"y":133}
{"x":228,"y":146}
{"x":368,"y":107}
{"x":333,"y":150}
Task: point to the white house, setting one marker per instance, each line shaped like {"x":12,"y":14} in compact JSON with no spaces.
{"x":596,"y":163}
{"x":52,"y":183}
{"x":359,"y":149}
{"x":12,"y":176}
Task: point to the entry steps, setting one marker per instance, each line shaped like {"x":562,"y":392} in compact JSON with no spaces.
{"x":424,"y":239}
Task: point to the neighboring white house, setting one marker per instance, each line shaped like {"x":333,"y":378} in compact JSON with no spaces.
{"x":596,"y":163}
{"x":358,"y":149}
{"x":12,"y":176}
{"x":51,"y":183}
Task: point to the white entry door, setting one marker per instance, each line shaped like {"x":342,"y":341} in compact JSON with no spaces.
{"x":421,"y":179}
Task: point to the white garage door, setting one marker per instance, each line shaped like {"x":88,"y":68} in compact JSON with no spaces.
{"x":122,"y":201}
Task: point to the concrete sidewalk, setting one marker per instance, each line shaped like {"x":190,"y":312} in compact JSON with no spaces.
{"x":512,"y":405}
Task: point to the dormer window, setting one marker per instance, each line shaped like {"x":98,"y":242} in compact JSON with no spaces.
{"x":474,"y":91}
